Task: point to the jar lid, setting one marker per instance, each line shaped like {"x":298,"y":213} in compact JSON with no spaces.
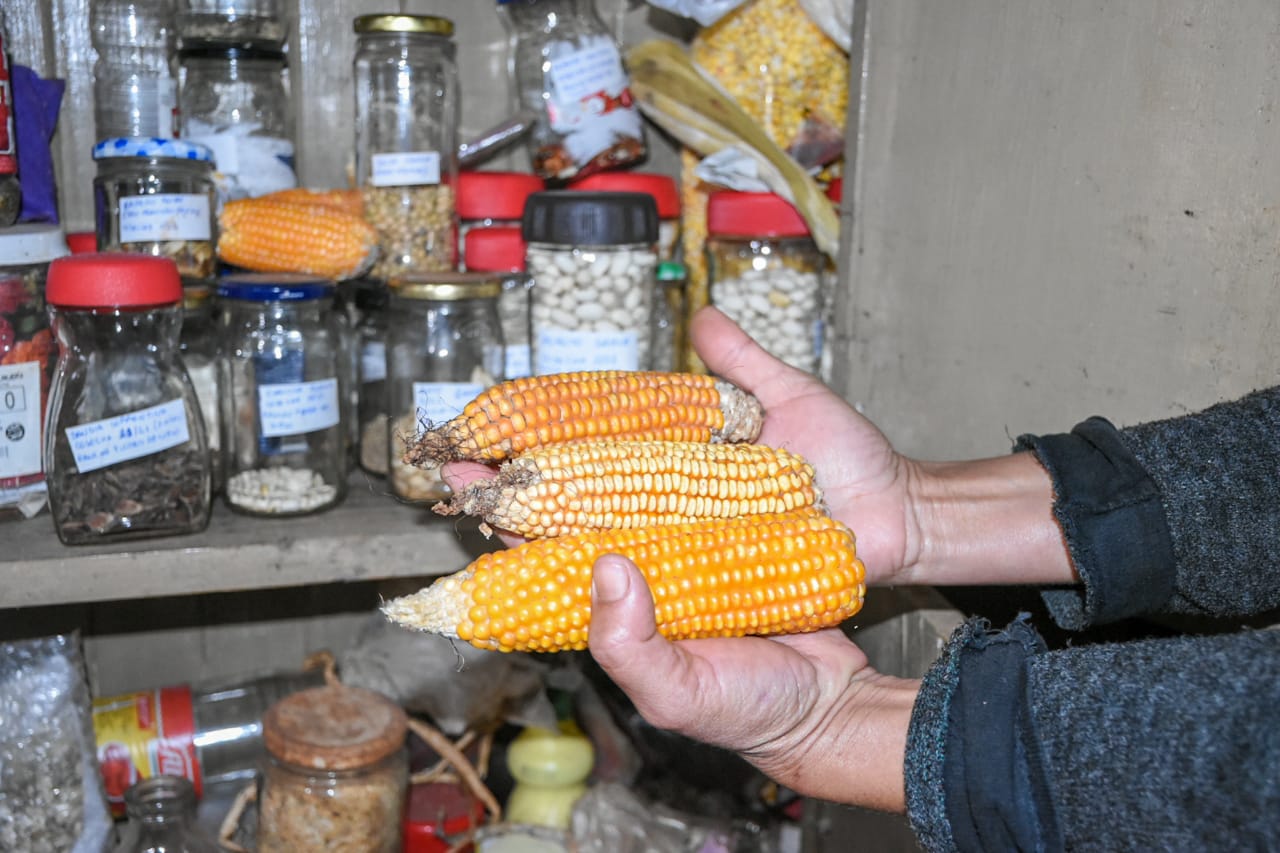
{"x":31,"y":243}
{"x":446,"y":286}
{"x":273,"y":287}
{"x":741,"y":214}
{"x":496,"y":249}
{"x":578,"y":218}
{"x":435,"y":810}
{"x":494,"y":195}
{"x":113,"y":280}
{"x":334,"y":727}
{"x":80,"y":242}
{"x":151,"y":146}
{"x":663,"y":188}
{"x":230,"y":53}
{"x":426,"y":24}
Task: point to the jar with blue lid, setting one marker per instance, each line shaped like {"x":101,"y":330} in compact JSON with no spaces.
{"x":282,"y":376}
{"x":156,"y":196}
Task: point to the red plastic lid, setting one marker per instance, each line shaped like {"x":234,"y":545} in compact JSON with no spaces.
{"x":662,"y":187}
{"x":835,"y":190}
{"x":81,"y":242}
{"x":737,"y":214}
{"x":495,"y":195}
{"x":496,"y":249}
{"x":434,"y":812}
{"x":112,"y":280}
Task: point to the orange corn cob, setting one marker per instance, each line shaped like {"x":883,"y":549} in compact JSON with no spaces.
{"x":781,"y":573}
{"x":535,"y":411}
{"x":269,"y":235}
{"x":349,"y":200}
{"x":600,"y":484}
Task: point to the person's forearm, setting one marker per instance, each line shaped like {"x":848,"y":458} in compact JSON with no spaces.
{"x":988,"y":521}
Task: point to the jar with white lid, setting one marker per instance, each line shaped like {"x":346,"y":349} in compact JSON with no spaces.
{"x":500,"y":249}
{"x":283,"y":374}
{"x":491,"y":200}
{"x":156,"y":196}
{"x":444,"y":347}
{"x":766,"y":273}
{"x":28,"y":354}
{"x":592,"y":259}
{"x":125,"y":452}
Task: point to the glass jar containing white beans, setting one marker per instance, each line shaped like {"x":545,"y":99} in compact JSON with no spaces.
{"x":592,"y":259}
{"x":766,"y":273}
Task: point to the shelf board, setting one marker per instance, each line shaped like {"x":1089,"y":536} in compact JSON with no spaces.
{"x":370,"y":536}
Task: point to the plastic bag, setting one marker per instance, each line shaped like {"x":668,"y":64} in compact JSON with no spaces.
{"x":705,"y":12}
{"x":835,"y":17}
{"x":51,"y":798}
{"x":36,"y":105}
{"x":608,"y":818}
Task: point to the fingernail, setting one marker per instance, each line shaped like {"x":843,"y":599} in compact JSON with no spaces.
{"x":609,"y":581}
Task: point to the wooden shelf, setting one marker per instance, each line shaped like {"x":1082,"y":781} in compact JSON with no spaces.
{"x":370,"y":536}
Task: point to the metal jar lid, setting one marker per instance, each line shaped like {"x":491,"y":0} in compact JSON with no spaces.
{"x":446,"y":286}
{"x":31,"y":243}
{"x":582,"y":218}
{"x":334,"y":728}
{"x":414,"y":24}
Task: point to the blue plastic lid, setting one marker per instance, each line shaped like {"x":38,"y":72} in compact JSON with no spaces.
{"x":273,"y":287}
{"x":151,"y":146}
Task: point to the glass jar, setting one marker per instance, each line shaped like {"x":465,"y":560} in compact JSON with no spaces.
{"x":765,"y":272}
{"x":568,"y":69}
{"x":500,"y":249}
{"x":198,"y":343}
{"x":489,"y":199}
{"x":444,"y":347}
{"x":134,"y":90}
{"x":406,"y":126}
{"x":28,"y":354}
{"x":591,"y":257}
{"x":235,"y":101}
{"x":281,"y":368}
{"x":336,"y":772}
{"x":665,"y":192}
{"x":250,"y":24}
{"x":162,"y":818}
{"x":125,"y":451}
{"x":371,"y":340}
{"x":156,"y":196}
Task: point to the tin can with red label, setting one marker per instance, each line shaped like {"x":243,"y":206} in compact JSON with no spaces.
{"x":142,"y":735}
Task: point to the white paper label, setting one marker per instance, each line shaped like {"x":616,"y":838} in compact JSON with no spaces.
{"x":131,"y":436}
{"x":292,"y":408}
{"x":436,"y":402}
{"x":561,"y":351}
{"x":518,"y":361}
{"x":373,"y":361}
{"x":407,"y":169}
{"x":579,"y":72}
{"x":19,"y":419}
{"x":169,"y":216}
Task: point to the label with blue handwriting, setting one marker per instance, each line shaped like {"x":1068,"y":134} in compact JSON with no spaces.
{"x":405,"y":169}
{"x":436,"y":402}
{"x":99,"y":444}
{"x":165,"y":216}
{"x":563,"y":351}
{"x":292,"y":408}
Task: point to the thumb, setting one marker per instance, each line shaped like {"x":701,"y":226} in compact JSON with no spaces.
{"x":624,"y":636}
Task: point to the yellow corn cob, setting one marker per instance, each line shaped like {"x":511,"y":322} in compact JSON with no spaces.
{"x":267,"y":235}
{"x":535,"y":411}
{"x":781,"y":573}
{"x":603,"y":484}
{"x":349,"y":200}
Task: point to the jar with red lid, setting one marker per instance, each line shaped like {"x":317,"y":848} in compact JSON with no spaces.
{"x":663,"y":188}
{"x":125,"y":451}
{"x":766,"y":273}
{"x":500,"y":250}
{"x":336,"y":772}
{"x":492,"y":199}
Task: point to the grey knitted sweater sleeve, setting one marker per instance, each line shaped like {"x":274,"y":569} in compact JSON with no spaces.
{"x":1164,"y":744}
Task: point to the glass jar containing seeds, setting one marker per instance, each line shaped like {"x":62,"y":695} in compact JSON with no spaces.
{"x":592,"y":260}
{"x":282,"y":371}
{"x":156,"y":196}
{"x":125,"y":452}
{"x":500,"y":250}
{"x":444,"y":347}
{"x":406,"y":128}
{"x":766,"y":273}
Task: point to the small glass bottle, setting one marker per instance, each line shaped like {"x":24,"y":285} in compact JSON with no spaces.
{"x":500,"y":249}
{"x":125,"y":451}
{"x":199,"y":345}
{"x":134,"y":89}
{"x":766,"y":273}
{"x":592,"y":259}
{"x":282,"y":372}
{"x":336,"y":772}
{"x":162,"y":818}
{"x":492,"y":199}
{"x":156,"y":196}
{"x":444,"y":347}
{"x":406,"y":127}
{"x":568,"y":69}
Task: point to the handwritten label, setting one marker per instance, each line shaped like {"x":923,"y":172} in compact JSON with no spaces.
{"x":19,"y":419}
{"x":437,"y":402}
{"x":293,"y":408}
{"x":99,"y":444}
{"x":577,"y":72}
{"x":168,"y":216}
{"x":407,"y":169}
{"x":517,"y":361}
{"x":561,"y":351}
{"x":373,"y":361}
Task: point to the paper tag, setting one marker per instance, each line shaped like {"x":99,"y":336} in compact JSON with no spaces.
{"x":561,"y":351}
{"x":436,"y":402}
{"x":293,"y":408}
{"x":168,"y":216}
{"x":578,"y":72}
{"x":99,"y":444}
{"x":19,"y":419}
{"x":373,"y":361}
{"x":407,"y":169}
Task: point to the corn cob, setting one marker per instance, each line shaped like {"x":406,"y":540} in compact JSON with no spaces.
{"x":535,"y":411}
{"x":604,"y":484}
{"x":780,"y":573}
{"x":268,"y":235}
{"x":352,"y":201}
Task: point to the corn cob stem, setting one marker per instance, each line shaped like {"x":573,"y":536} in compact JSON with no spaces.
{"x":601,"y":484}
{"x":779,"y":573}
{"x":521,"y":414}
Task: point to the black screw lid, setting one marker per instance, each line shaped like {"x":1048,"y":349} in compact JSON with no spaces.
{"x":581,"y":218}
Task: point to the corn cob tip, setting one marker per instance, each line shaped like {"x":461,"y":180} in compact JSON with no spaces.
{"x":435,"y":609}
{"x":743,"y":414}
